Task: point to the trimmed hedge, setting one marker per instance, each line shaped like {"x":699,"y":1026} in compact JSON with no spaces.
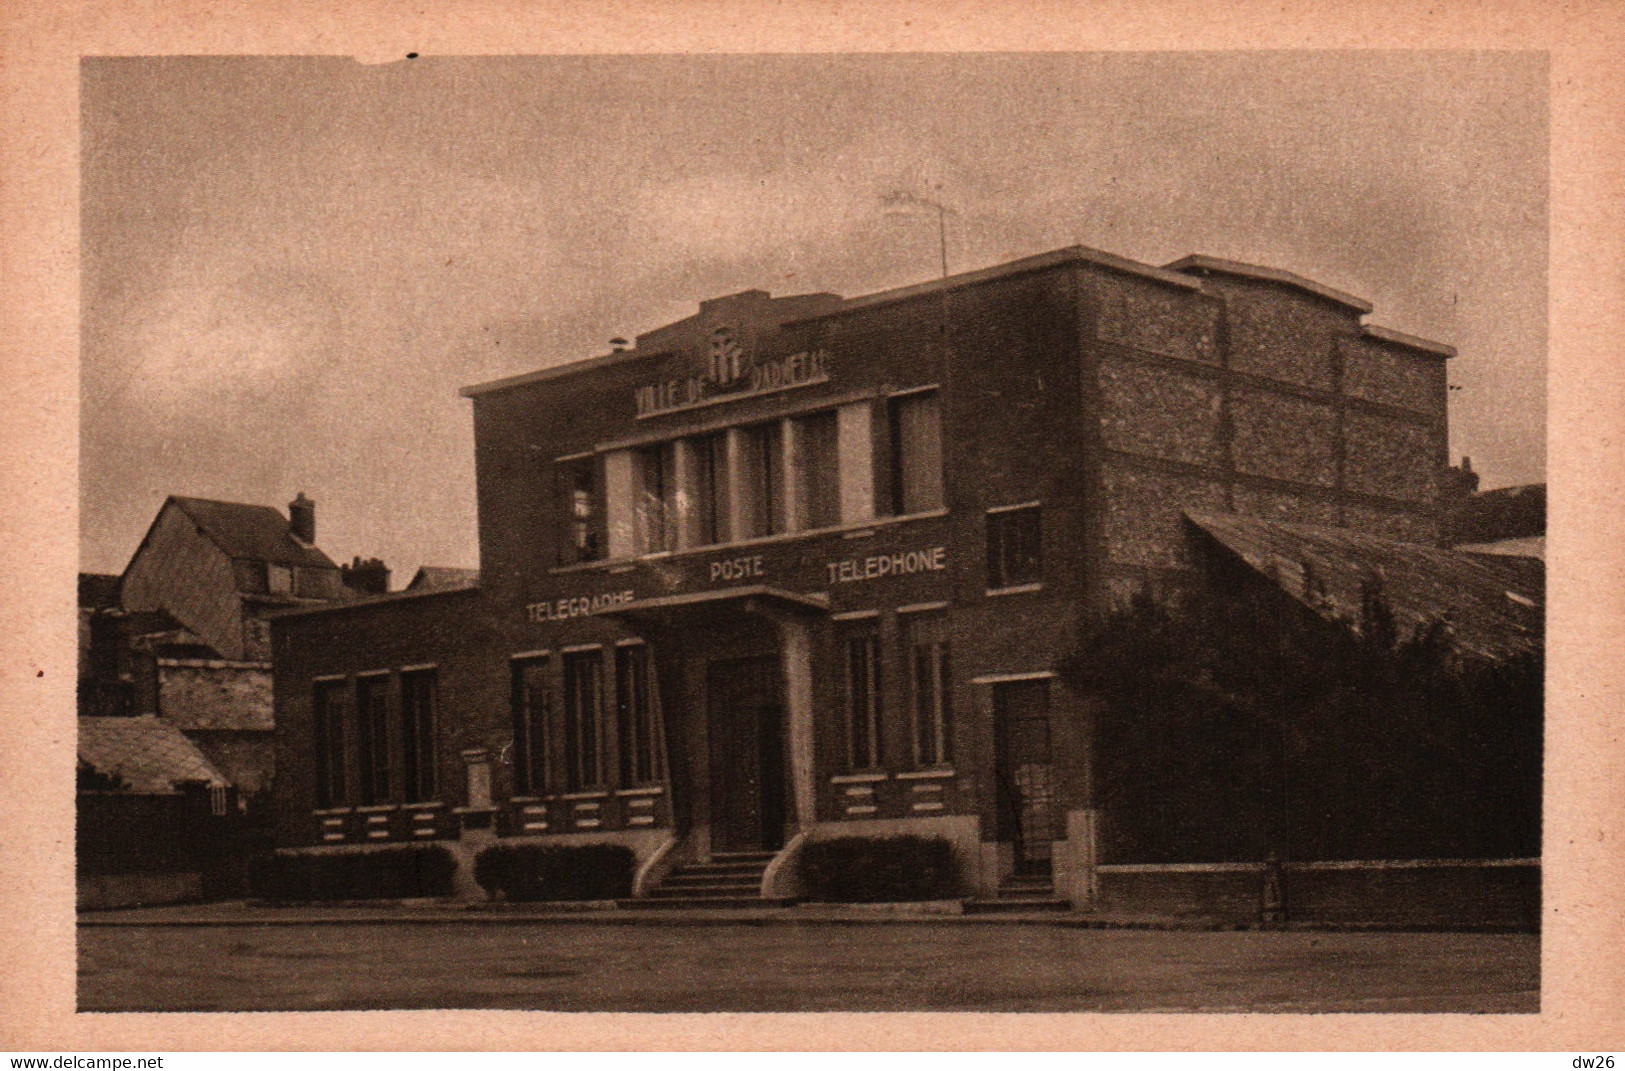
{"x":555,"y":872}
{"x":879,"y":869}
{"x":387,"y":873}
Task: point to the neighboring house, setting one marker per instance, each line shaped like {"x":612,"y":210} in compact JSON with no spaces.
{"x":443,"y":578}
{"x":182,"y":634}
{"x":1507,"y":520}
{"x":154,"y":814}
{"x":220,"y":568}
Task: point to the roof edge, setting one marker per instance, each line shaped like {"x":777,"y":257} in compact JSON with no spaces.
{"x":1072,"y":254}
{"x":1410,"y":342}
{"x":1202,"y":262}
{"x":369,"y":601}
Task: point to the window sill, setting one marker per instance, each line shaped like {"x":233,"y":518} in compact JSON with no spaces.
{"x":1016,"y":589}
{"x":325,"y":812}
{"x":585,"y":794}
{"x":645,"y":790}
{"x":939,"y":773}
{"x":856,"y":530}
{"x":377,"y":808}
{"x":857,"y":778}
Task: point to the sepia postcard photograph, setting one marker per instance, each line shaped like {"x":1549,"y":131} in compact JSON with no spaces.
{"x":845,"y":531}
{"x":798,"y":533}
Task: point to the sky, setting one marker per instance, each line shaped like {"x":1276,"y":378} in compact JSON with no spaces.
{"x":291,"y":265}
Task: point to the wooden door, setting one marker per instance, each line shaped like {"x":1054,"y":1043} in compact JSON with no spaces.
{"x":1026,"y":771}
{"x":746,"y":729}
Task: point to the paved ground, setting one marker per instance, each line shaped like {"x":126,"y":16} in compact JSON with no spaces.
{"x":796,"y":966}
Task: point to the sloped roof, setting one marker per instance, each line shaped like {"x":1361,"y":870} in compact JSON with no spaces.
{"x":1493,"y":605}
{"x":1504,"y":513}
{"x":254,"y":533}
{"x":98,"y":591}
{"x":440,"y":577}
{"x":150,"y":755}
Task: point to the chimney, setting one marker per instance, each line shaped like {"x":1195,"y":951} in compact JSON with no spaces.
{"x":370,"y":577}
{"x":302,"y":519}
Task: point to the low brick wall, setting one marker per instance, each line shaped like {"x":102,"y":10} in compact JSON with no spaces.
{"x":1423,"y":892}
{"x":100,"y":892}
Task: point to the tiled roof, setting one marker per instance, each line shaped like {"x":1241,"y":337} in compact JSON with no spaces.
{"x":1504,"y":513}
{"x":440,"y":577}
{"x":148,"y":754}
{"x":253,"y":533}
{"x":98,"y":591}
{"x":1493,"y":605}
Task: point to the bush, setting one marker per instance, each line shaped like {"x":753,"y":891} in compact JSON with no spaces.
{"x":555,"y":872}
{"x":879,"y":869}
{"x":389,"y":873}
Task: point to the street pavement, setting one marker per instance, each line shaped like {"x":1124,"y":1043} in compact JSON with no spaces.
{"x":791,"y":964}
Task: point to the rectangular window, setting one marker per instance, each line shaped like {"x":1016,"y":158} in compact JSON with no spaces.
{"x":819,"y":470}
{"x":763,"y":476}
{"x":657,"y":498}
{"x":583,"y":719}
{"x":926,"y":641}
{"x":532,"y":701}
{"x":278,"y":579}
{"x":372,"y":744}
{"x":1014,"y":547}
{"x":332,"y":712}
{"x":577,"y":498}
{"x":634,"y":711}
{"x":916,"y":453}
{"x":418,"y":735}
{"x":710,"y":491}
{"x":863,"y":703}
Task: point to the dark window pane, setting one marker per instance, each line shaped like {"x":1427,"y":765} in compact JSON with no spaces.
{"x":576,"y":491}
{"x":1014,"y":547}
{"x":531,"y":705}
{"x":819,"y":469}
{"x":583,"y":741}
{"x":331,"y":701}
{"x":863,"y":700}
{"x":417,"y":735}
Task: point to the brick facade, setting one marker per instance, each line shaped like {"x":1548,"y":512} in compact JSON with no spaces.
{"x":1109,"y":395}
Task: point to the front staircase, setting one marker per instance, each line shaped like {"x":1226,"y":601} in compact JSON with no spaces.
{"x":730,"y":879}
{"x":1021,"y":892}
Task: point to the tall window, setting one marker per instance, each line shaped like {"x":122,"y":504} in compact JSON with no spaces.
{"x":657,"y":497}
{"x":819,"y":470}
{"x":531,"y":702}
{"x":332,"y":709}
{"x":583,"y":719}
{"x":763,"y":475}
{"x":1014,"y":547}
{"x":372,"y":738}
{"x":710,"y":490}
{"x":931,"y":688}
{"x":916,"y":453}
{"x":417,"y":735}
{"x":634,"y":715}
{"x":863,"y":702}
{"x":577,"y":494}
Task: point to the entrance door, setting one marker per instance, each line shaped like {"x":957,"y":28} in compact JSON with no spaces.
{"x":1026,"y":773}
{"x":746,"y":697}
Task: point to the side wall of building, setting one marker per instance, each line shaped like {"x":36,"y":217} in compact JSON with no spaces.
{"x":1258,"y":399}
{"x":179,"y":570}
